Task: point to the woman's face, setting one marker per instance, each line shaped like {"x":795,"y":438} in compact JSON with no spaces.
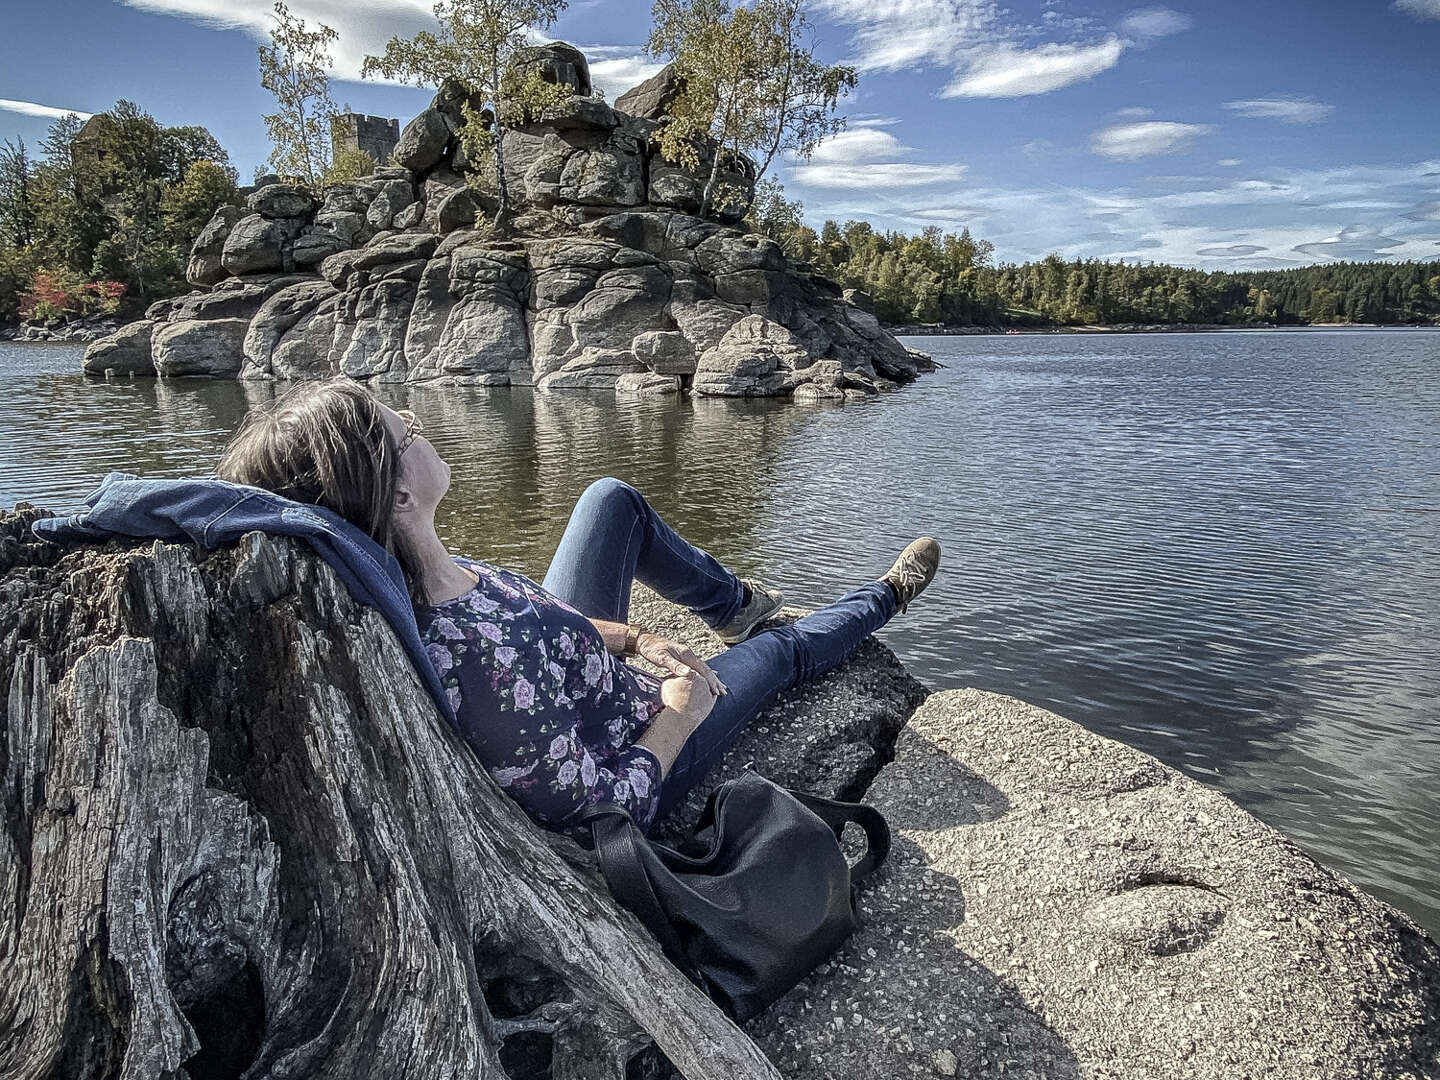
{"x":421,"y":473}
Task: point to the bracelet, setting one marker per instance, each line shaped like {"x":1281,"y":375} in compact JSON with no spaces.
{"x":632,"y":640}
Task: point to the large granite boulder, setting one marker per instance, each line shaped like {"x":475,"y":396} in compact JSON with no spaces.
{"x":755,"y":358}
{"x":423,"y":141}
{"x":206,"y":265}
{"x":255,"y":245}
{"x":212,"y":347}
{"x":281,"y":201}
{"x":651,"y":100}
{"x":125,"y":352}
{"x":556,"y":62}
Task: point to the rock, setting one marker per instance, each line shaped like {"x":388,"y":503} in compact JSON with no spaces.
{"x":315,"y":246}
{"x":593,"y":369}
{"x":399,"y":247}
{"x":860,"y":299}
{"x":213,"y":347}
{"x":255,"y":244}
{"x":671,"y":185}
{"x":125,"y":352}
{"x":665,"y":352}
{"x":646,"y":385}
{"x":1097,"y":907}
{"x":751,"y":360}
{"x":392,"y":197}
{"x":450,"y":100}
{"x":410,"y":217}
{"x":651,"y":100}
{"x":277,"y":317}
{"x":281,"y":201}
{"x":422,"y":142}
{"x":347,"y":226}
{"x":369,"y":340}
{"x":457,"y":209}
{"x":206,"y":266}
{"x":730,"y":253}
{"x":556,"y":62}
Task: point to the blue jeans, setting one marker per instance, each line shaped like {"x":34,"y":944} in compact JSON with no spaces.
{"x":615,"y":537}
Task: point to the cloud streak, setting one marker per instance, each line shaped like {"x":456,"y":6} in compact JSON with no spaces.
{"x":30,"y":108}
{"x":1289,"y":109}
{"x":1127,"y":142}
{"x":1008,"y":72}
{"x":1421,"y":9}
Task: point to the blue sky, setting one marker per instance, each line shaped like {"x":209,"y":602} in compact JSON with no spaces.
{"x":1226,"y":135}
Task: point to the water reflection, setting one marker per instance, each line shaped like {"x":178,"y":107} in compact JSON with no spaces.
{"x":1222,"y":549}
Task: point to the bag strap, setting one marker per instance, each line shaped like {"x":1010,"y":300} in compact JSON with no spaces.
{"x":837,"y":814}
{"x":617,"y":846}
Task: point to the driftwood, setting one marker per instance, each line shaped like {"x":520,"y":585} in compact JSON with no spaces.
{"x":239,"y":841}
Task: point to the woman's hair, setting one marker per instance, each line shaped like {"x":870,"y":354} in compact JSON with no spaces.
{"x":324,"y":443}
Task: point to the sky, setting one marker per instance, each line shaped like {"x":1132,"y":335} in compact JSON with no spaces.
{"x":1226,"y":135}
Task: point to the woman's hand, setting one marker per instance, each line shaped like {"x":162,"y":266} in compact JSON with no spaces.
{"x":678,"y":659}
{"x":689,"y":695}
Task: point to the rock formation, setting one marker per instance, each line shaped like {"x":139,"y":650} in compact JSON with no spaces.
{"x":237,"y":838}
{"x":606,"y":279}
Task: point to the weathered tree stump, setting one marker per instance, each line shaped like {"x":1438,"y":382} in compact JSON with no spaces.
{"x":240,"y":841}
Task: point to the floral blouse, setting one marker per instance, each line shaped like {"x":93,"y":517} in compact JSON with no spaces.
{"x":545,"y":706}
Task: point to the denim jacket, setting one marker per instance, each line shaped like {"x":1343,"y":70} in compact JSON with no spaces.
{"x":214,"y":512}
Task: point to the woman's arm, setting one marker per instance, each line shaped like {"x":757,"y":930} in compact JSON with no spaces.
{"x":668,"y":655}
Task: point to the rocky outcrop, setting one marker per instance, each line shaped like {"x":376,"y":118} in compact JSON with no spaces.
{"x":608,"y":279}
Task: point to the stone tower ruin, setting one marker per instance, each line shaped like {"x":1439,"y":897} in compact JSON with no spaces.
{"x":376,"y":135}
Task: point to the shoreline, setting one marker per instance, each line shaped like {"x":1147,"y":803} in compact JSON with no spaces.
{"x":923,"y":330}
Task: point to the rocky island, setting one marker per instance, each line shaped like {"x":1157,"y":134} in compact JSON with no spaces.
{"x":239,"y":840}
{"x":607,"y":277}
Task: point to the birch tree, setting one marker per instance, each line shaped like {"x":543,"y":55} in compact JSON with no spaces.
{"x":295,"y":68}
{"x":475,"y":44}
{"x":752,"y":84}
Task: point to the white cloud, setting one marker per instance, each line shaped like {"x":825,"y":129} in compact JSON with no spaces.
{"x":1352,"y":242}
{"x":871,"y":120}
{"x":365,"y":25}
{"x":891,"y":35}
{"x":1428,"y":211}
{"x":1135,"y":112}
{"x":1421,"y":9}
{"x":1229,"y":162}
{"x":30,"y":108}
{"x":621,"y":73}
{"x":1288,"y":108}
{"x":862,"y":144}
{"x":1005,"y":71}
{"x":1231,"y":249}
{"x":877,"y":174}
{"x":932,"y":215}
{"x":1126,"y":142}
{"x":1147,"y":24}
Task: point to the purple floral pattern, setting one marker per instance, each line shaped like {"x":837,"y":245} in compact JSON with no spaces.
{"x":546,"y":707}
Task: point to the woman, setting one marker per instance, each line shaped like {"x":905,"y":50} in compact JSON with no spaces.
{"x":530,"y":669}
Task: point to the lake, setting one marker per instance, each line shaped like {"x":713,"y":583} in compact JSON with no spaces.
{"x":1223,"y":549}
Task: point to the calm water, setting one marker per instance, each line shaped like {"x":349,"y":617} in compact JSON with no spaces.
{"x":1222,"y":549}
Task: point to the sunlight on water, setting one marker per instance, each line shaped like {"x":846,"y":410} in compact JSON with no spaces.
{"x":1222,"y":549}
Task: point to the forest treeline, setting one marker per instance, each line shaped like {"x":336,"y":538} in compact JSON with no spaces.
{"x":953,"y":279}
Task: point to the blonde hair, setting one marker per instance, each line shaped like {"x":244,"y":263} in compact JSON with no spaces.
{"x":324,"y":443}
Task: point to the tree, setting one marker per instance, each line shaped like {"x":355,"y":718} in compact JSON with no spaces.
{"x":474,"y":46}
{"x":189,"y":205}
{"x":134,"y":158}
{"x":751,"y":84}
{"x":349,"y":164}
{"x":295,"y":68}
{"x":17,"y":183}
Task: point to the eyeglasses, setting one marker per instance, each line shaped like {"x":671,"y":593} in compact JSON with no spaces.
{"x":413,"y":428}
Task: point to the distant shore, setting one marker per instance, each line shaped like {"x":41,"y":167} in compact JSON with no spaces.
{"x":928,"y":330}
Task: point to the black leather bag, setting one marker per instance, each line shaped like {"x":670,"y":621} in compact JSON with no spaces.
{"x":767,"y":901}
